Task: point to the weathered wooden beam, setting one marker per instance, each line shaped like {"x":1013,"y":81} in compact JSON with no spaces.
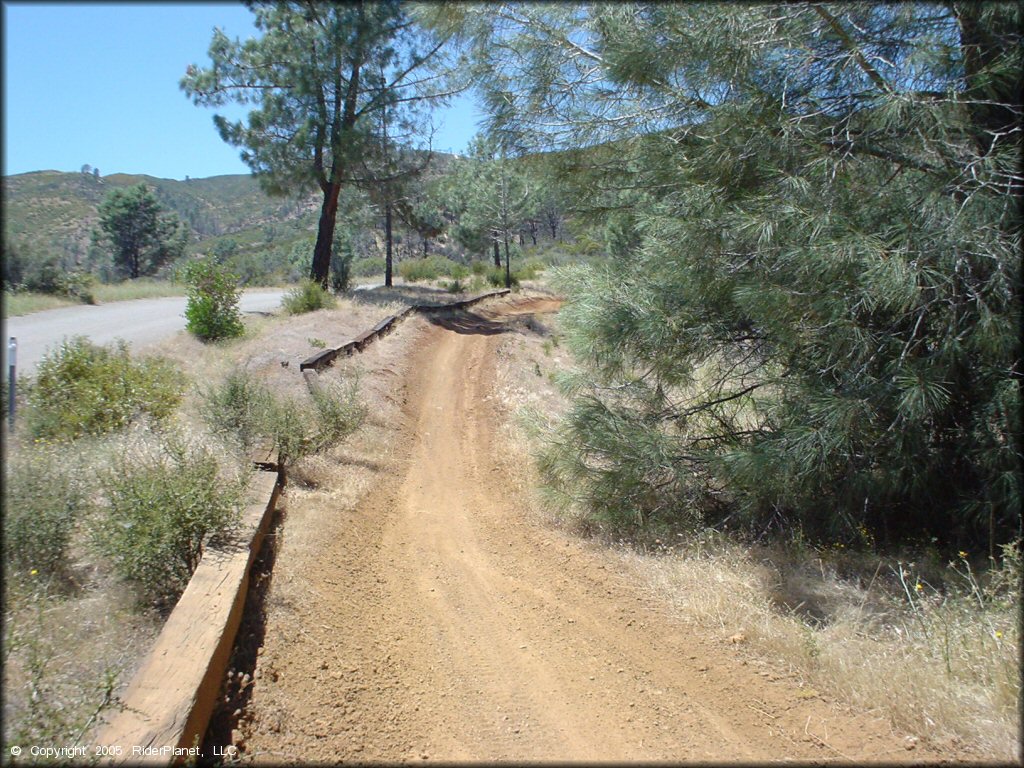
{"x":312,"y":380}
{"x":327,"y":356}
{"x":319,"y":360}
{"x":384,"y":325}
{"x":169,"y":702}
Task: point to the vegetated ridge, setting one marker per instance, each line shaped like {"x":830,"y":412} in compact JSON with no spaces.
{"x":57,"y":211}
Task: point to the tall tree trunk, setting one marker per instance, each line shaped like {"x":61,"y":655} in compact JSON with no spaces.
{"x":508,"y":269}
{"x":387,"y":245}
{"x":995,"y":98}
{"x":320,"y":271}
{"x":497,"y":254}
{"x":426,"y":246}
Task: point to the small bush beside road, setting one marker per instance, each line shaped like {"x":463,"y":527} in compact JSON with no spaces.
{"x":212,"y":312}
{"x":307,"y":296}
{"x":84,"y":389}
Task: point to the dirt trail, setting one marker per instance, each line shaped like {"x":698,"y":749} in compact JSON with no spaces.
{"x":441,"y":623}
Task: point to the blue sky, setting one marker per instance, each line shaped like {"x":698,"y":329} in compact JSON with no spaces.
{"x":97,"y":84}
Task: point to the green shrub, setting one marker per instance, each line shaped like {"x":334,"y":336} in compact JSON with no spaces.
{"x":166,"y":502}
{"x":496,"y":277}
{"x":51,"y":278}
{"x":212,"y":311}
{"x":368,"y":267}
{"x":246,"y":410}
{"x":338,"y":410}
{"x":238,"y":407}
{"x":43,"y":500}
{"x":479,"y":267}
{"x":300,"y":428}
{"x":307,"y":296}
{"x":46,"y":277}
{"x":430,"y":268}
{"x":530,"y":269}
{"x":81,"y":388}
{"x":454,"y":286}
{"x":341,"y":271}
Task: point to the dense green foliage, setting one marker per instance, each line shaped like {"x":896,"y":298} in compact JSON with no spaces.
{"x":46,"y":275}
{"x":212,"y":311}
{"x":140,"y":236}
{"x":84,"y":389}
{"x":166,"y":502}
{"x":491,"y":197}
{"x":811,"y":320}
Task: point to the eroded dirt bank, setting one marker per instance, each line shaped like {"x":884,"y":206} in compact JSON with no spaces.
{"x":434,"y":621}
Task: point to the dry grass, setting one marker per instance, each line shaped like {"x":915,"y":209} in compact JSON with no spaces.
{"x":64,"y":658}
{"x":141,"y":288}
{"x":936,"y":651}
{"x":25,"y":303}
{"x":945,"y":670}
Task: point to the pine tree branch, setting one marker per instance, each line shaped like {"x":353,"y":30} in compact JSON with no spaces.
{"x":848,"y":41}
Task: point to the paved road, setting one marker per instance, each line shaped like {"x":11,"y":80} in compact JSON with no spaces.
{"x":141,"y":321}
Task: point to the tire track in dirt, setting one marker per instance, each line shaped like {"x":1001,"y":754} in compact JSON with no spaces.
{"x":443,"y":623}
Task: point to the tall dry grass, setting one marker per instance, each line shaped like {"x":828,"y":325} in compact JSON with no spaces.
{"x":940,"y":663}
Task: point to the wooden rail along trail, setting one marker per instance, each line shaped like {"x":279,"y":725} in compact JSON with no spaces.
{"x":327,"y":356}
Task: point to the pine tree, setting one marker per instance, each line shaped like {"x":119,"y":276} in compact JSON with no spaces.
{"x":137,"y":232}
{"x":317,"y":75}
{"x":812,"y":317}
{"x":493,"y":197}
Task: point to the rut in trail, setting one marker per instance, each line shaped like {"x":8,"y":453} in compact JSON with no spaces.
{"x":435,"y":620}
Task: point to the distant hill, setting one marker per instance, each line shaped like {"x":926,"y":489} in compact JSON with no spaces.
{"x":56,"y":212}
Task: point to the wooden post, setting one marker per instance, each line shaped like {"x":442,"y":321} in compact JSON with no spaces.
{"x":12,"y":360}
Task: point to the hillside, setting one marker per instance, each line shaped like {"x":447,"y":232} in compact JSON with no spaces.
{"x":55,"y":213}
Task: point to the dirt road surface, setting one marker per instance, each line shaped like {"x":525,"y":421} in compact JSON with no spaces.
{"x":438,"y":622}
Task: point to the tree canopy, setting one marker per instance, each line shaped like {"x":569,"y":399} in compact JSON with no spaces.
{"x":812,"y":320}
{"x":139,"y":235}
{"x":318,"y":75}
